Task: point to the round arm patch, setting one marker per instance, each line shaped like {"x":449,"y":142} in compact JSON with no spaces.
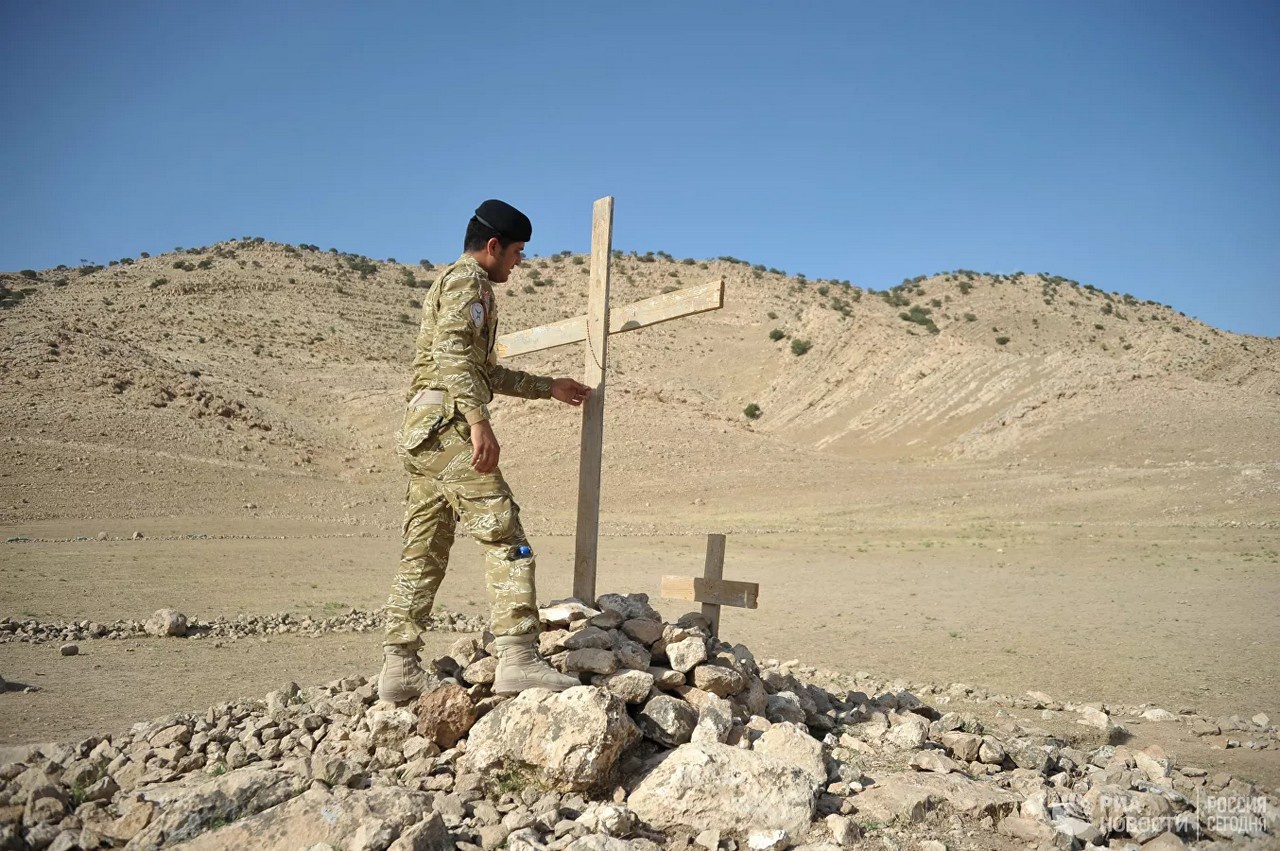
{"x":477,"y":313}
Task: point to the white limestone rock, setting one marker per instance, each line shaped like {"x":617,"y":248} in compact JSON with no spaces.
{"x":571,"y":739}
{"x":719,"y":787}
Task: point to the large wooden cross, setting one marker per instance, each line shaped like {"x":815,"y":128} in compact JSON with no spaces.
{"x":592,"y":328}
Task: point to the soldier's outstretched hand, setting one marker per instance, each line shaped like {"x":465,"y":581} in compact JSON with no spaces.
{"x":569,"y":391}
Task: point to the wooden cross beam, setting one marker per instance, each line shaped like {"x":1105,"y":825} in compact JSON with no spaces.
{"x":712,"y":590}
{"x":595,"y":328}
{"x":640,"y":314}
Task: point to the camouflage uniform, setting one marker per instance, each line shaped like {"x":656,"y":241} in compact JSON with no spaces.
{"x":455,"y":355}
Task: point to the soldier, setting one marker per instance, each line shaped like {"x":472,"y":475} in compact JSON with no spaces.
{"x":449,"y":448}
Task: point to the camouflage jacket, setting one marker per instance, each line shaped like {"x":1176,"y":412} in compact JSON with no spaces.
{"x":455,"y":348}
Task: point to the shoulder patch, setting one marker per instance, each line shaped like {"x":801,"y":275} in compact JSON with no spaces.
{"x":477,"y":313}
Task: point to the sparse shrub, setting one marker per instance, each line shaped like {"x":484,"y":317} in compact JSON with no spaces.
{"x":529,"y":289}
{"x":823,"y":290}
{"x":578,"y":261}
{"x":159,"y":282}
{"x":206,"y":263}
{"x":799,"y":347}
{"x":405,"y":319}
{"x":920,"y":316}
{"x":840,"y":305}
{"x":363,"y":265}
{"x":144,"y":255}
{"x":752,"y":411}
{"x":414,"y":303}
{"x":776,"y":334}
{"x":29,"y":273}
{"x":1002,"y":341}
{"x":771,"y":315}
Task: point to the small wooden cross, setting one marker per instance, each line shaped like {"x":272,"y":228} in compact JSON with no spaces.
{"x":592,"y":328}
{"x":711,"y":590}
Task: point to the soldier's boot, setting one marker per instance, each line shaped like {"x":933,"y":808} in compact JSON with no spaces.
{"x":402,"y":677}
{"x":520,"y":668}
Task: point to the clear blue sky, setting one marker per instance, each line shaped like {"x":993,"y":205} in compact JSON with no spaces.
{"x":1130,"y":145}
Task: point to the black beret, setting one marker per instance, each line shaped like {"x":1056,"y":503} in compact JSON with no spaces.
{"x":505,"y":219}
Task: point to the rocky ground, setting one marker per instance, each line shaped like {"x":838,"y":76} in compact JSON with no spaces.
{"x":675,"y":740}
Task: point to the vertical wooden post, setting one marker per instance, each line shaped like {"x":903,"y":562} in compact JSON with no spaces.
{"x":584,"y":557}
{"x":713,"y":569}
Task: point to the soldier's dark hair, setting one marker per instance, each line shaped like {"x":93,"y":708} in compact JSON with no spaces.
{"x":479,"y":234}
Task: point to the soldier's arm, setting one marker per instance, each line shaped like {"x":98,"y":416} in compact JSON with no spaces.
{"x":513,"y":382}
{"x":458,"y":347}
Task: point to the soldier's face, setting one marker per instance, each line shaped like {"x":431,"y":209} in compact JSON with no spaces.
{"x":507,"y":259}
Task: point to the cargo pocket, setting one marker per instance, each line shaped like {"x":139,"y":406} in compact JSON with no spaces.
{"x":422,"y":421}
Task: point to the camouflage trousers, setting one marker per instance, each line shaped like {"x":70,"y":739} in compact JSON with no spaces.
{"x":443,"y":490}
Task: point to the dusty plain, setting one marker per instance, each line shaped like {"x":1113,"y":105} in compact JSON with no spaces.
{"x":1090,"y":509}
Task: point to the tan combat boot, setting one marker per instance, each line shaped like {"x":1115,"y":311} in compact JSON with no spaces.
{"x":402,"y":677}
{"x":519,"y":667}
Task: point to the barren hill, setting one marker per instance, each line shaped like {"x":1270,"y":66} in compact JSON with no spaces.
{"x":204,"y":379}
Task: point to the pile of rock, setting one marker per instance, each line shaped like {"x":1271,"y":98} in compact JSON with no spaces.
{"x":675,"y":740}
{"x":168,"y":622}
